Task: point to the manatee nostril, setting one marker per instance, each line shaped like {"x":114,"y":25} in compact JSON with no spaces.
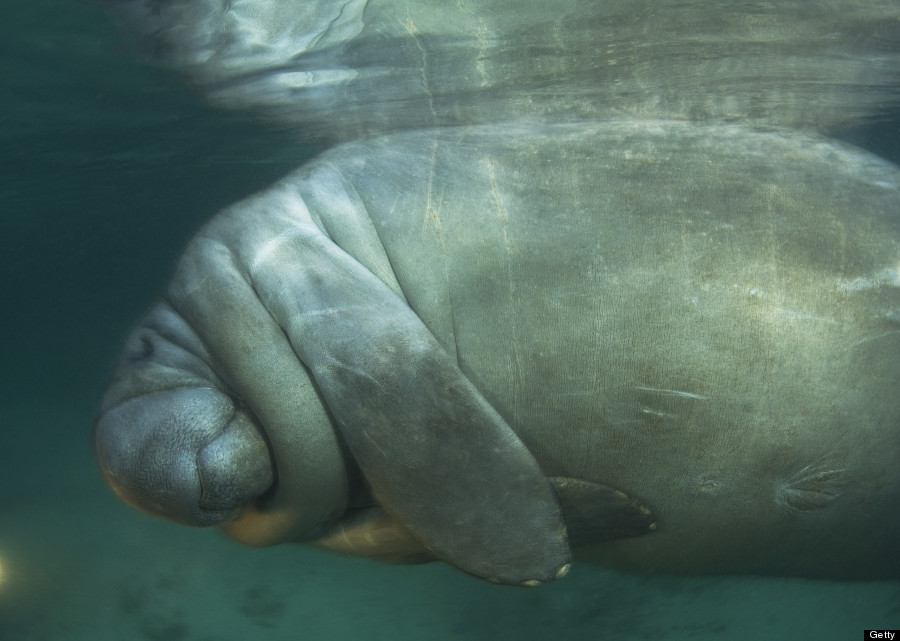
{"x":235,"y":467}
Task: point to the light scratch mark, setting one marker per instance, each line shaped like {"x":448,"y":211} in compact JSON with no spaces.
{"x":432,"y":215}
{"x":673,"y":392}
{"x":503,"y":218}
{"x":373,"y":442}
{"x":657,"y":413}
{"x":791,"y":315}
{"x":497,"y":197}
{"x":874,"y":338}
{"x":480,"y":35}
{"x":413,"y":31}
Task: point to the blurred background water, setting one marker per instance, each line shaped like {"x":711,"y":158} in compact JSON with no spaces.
{"x":106,"y":168}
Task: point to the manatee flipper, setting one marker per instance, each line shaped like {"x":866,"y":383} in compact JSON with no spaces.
{"x":597,"y":513}
{"x":434,"y":451}
{"x":594,"y":513}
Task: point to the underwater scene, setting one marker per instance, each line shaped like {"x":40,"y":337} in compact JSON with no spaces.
{"x":449,"y":320}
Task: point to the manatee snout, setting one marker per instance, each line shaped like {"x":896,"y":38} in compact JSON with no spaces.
{"x":173,"y":444}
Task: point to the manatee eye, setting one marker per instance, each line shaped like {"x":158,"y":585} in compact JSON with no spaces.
{"x":139,"y":349}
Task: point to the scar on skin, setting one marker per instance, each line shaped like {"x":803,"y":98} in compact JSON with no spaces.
{"x":674,"y":392}
{"x":812,"y":488}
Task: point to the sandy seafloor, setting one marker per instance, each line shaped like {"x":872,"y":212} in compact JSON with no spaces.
{"x":105,"y":169}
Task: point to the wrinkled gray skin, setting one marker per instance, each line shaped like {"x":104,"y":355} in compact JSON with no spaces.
{"x":670,"y":344}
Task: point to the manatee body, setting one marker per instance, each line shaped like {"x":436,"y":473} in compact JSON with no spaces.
{"x":583,"y":303}
{"x":673,"y":346}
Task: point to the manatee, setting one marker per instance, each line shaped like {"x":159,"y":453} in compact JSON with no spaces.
{"x":665,"y":345}
{"x":570,"y":278}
